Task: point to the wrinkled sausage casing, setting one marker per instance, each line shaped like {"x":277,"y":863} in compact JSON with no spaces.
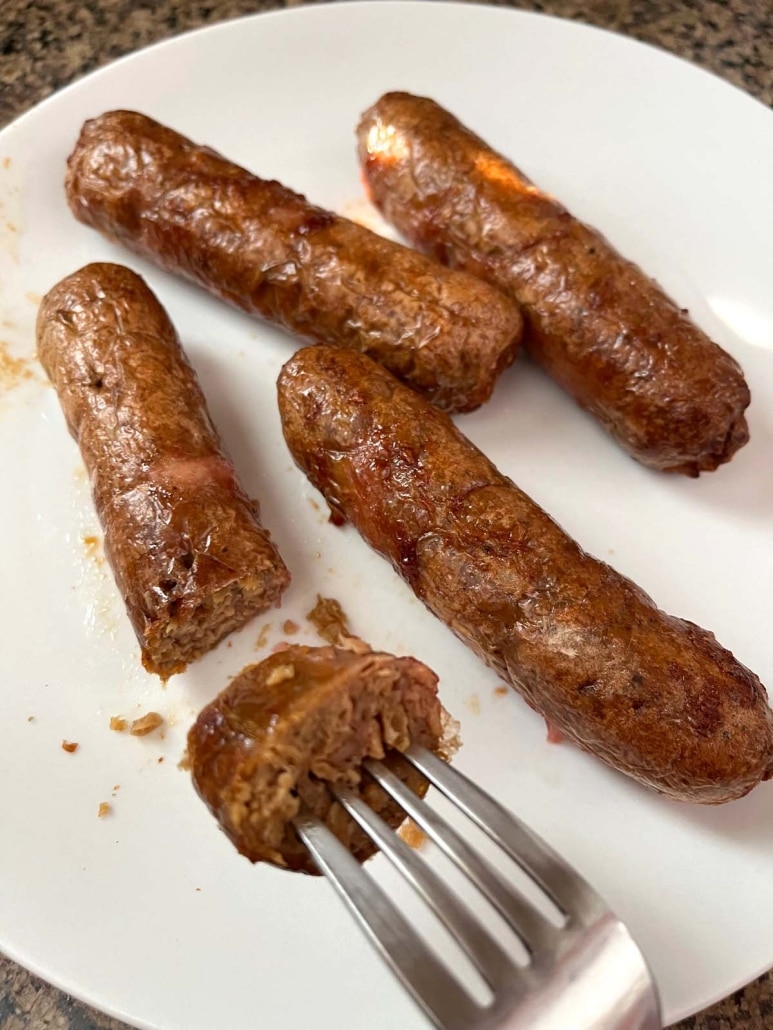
{"x":283,"y":730}
{"x":185,"y":543}
{"x":597,"y":324}
{"x":654,"y":696}
{"x":265,"y":249}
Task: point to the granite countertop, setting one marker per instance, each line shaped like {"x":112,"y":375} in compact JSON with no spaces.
{"x":45,"y":44}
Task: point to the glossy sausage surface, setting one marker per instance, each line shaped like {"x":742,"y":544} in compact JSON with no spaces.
{"x":267,"y":250}
{"x":185,"y":543}
{"x":596,"y":323}
{"x":652,"y":695}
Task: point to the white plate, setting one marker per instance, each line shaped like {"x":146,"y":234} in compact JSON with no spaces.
{"x":149,"y":913}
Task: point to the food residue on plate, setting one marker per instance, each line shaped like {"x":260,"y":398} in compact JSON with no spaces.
{"x":289,"y":628}
{"x":13,"y":371}
{"x":501,"y":691}
{"x":472,"y":704}
{"x":117,"y":723}
{"x":104,"y":809}
{"x":70,"y":746}
{"x":146,"y":724}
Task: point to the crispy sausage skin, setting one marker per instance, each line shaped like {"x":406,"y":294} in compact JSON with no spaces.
{"x":265,"y":249}
{"x":185,"y":543}
{"x":653,"y":696}
{"x":595,"y":322}
{"x":304,"y":718}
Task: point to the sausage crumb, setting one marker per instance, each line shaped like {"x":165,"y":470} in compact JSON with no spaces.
{"x":280,"y":674}
{"x":289,"y":628}
{"x":91,"y":544}
{"x":331,"y":623}
{"x":30,"y":718}
{"x":160,"y":759}
{"x":412,"y":834}
{"x":328,"y":619}
{"x":70,"y":746}
{"x":117,"y":723}
{"x":146,"y":724}
{"x":104,"y":809}
{"x":260,"y":643}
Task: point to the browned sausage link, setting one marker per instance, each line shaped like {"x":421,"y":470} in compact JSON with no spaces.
{"x":652,"y":695}
{"x":282,"y":730}
{"x":607,"y":333}
{"x":185,"y":544}
{"x":268,"y":251}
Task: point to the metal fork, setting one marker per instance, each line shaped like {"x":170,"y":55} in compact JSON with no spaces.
{"x":585,"y":974}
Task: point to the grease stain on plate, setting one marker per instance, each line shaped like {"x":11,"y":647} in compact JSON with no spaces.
{"x":13,"y":370}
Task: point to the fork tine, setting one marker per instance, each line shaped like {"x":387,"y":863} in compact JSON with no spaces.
{"x":422,"y":973}
{"x":489,"y":958}
{"x":535,"y":932}
{"x":566,"y":888}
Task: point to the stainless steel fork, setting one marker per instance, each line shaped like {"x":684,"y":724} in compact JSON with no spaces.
{"x":584,"y":974}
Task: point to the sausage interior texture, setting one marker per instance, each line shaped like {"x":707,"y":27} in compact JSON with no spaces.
{"x":265,"y":249}
{"x":185,"y":543}
{"x":304,"y":718}
{"x":595,"y":322}
{"x":653,"y":696}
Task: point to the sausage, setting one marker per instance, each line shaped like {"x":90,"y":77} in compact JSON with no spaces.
{"x":266,"y":250}
{"x":594,"y":321}
{"x":653,"y":696}
{"x":304,"y":718}
{"x":185,"y":543}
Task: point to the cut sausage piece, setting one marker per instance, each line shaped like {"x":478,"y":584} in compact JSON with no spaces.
{"x":185,"y":543}
{"x":265,"y":249}
{"x":595,"y":322}
{"x":654,"y":696}
{"x":306,"y":717}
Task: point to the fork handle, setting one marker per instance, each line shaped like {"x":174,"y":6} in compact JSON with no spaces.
{"x":601,"y":983}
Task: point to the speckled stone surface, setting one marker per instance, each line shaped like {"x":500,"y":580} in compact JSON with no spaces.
{"x":45,"y":44}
